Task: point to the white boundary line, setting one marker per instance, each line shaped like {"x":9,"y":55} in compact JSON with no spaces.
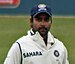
{"x":22,"y":16}
{"x":13,"y":16}
{"x":63,"y":16}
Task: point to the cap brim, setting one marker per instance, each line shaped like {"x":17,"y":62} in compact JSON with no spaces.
{"x":42,"y":12}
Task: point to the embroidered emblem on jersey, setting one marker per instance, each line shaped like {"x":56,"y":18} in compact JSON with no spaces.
{"x":56,"y":53}
{"x":29,"y":54}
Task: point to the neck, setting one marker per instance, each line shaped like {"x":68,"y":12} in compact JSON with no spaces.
{"x":44,"y":36}
{"x":45,"y":39}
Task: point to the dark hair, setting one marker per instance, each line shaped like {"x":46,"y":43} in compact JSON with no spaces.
{"x":31,"y":18}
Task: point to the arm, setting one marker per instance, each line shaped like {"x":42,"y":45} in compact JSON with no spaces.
{"x":14,"y":55}
{"x":65,"y":59}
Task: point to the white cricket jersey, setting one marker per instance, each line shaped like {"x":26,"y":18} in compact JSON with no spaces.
{"x":31,"y":49}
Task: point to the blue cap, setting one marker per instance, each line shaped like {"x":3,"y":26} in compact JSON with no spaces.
{"x":40,"y":9}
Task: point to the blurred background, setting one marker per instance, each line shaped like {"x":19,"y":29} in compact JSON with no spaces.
{"x":59,"y":7}
{"x":14,"y":23}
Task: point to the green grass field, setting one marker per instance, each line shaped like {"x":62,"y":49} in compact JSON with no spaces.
{"x":13,"y":27}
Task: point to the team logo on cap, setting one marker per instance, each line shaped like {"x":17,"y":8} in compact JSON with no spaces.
{"x":56,"y":53}
{"x":42,"y":7}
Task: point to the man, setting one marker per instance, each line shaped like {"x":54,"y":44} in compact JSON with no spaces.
{"x":39,"y":46}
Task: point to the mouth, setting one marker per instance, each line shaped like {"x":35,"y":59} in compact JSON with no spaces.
{"x":42,"y":31}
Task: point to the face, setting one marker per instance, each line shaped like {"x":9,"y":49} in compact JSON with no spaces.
{"x":41,"y":23}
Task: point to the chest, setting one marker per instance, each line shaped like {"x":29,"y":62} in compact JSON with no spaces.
{"x":35,"y":54}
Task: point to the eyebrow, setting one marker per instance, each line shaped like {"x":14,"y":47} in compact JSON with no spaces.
{"x":40,"y":16}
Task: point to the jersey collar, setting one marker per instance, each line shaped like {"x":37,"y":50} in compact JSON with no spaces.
{"x":38,"y":39}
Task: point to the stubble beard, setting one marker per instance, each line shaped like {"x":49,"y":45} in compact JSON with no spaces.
{"x":43,"y":31}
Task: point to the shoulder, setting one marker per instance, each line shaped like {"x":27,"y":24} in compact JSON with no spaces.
{"x":14,"y":50}
{"x":59,"y":43}
{"x":23,"y":39}
{"x":60,"y":46}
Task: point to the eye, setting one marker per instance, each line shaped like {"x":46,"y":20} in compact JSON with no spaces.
{"x":39,"y":18}
{"x":46,"y":19}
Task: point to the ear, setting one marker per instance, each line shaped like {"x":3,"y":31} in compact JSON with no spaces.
{"x":31,"y":22}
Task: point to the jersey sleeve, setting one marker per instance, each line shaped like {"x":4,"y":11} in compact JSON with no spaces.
{"x":65,"y":59}
{"x":14,"y":56}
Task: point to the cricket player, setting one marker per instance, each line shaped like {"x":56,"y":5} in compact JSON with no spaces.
{"x":39,"y":46}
